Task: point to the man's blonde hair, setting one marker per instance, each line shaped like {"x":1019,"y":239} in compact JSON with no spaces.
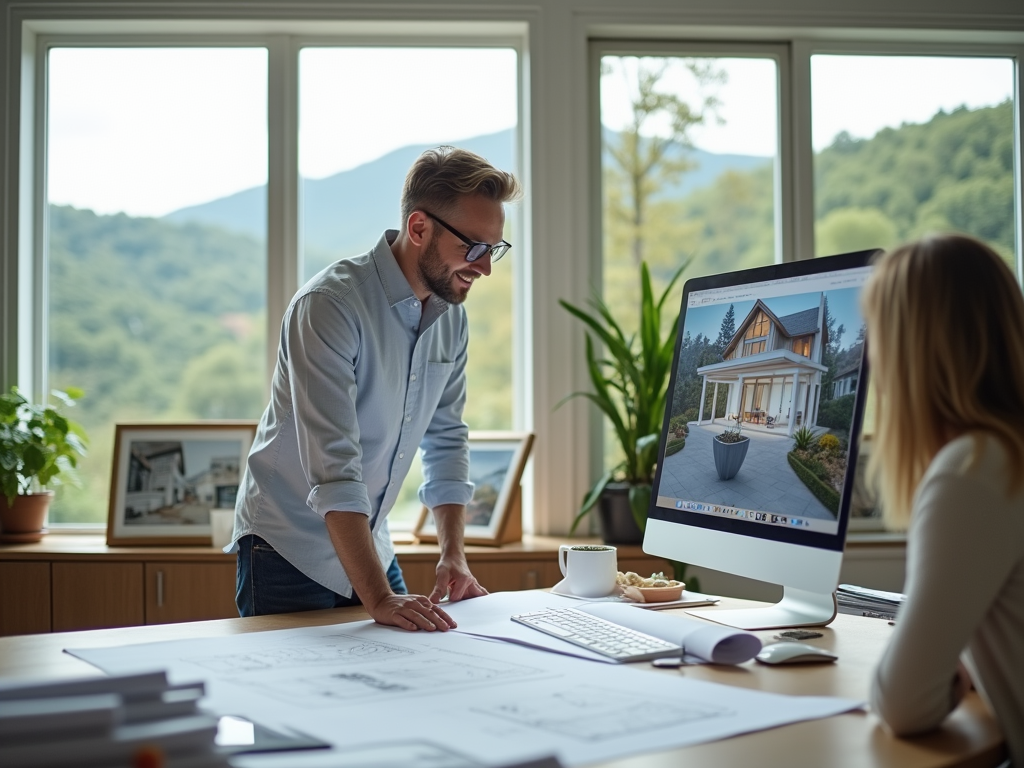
{"x":945,"y":330}
{"x":440,"y":176}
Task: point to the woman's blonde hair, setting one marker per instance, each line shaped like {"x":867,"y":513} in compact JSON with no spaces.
{"x":945,"y":330}
{"x":440,"y":176}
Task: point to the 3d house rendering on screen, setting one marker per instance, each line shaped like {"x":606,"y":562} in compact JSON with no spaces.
{"x":772,"y":368}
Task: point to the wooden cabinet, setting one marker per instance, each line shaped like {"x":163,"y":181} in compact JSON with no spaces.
{"x":77,"y":582}
{"x":24,"y":598}
{"x":189,"y":592}
{"x":96,"y":595}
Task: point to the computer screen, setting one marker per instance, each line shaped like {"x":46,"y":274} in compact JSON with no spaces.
{"x":763,"y":414}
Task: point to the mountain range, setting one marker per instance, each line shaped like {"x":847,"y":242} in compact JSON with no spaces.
{"x":345,"y":213}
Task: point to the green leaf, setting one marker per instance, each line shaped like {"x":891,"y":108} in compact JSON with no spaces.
{"x":639,"y":502}
{"x":591,"y":499}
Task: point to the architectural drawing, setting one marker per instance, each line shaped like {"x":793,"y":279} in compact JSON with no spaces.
{"x":335,"y":649}
{"x":590,"y":713}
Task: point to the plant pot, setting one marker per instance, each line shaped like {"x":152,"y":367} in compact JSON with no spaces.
{"x":618,"y":525}
{"x":22,"y":522}
{"x":729,"y":457}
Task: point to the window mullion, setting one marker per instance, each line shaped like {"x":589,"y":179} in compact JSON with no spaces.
{"x":801,"y":204}
{"x":283,"y":185}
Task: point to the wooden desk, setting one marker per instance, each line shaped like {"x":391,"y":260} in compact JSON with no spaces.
{"x":66,"y":583}
{"x":970,"y":738}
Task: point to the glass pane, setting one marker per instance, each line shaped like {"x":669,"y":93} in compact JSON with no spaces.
{"x":359,"y":133}
{"x":157,"y":262}
{"x":907,"y":145}
{"x":690,"y":147}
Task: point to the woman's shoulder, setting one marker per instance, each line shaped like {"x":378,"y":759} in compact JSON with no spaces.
{"x":977,"y":455}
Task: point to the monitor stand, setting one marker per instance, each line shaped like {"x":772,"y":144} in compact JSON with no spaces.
{"x":798,"y":608}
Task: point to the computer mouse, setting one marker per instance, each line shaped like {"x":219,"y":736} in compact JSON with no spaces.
{"x":794,"y":653}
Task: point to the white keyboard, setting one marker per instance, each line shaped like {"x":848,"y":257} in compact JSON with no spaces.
{"x":598,"y":635}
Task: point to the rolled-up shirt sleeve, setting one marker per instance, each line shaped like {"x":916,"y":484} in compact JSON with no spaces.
{"x":322,"y":345}
{"x":445,"y":445}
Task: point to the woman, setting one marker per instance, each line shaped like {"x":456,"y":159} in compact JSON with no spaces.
{"x":945,"y":328}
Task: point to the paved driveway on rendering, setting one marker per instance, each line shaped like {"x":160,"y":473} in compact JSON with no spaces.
{"x":765,"y":482}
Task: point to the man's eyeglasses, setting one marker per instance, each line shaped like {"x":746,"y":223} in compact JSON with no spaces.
{"x":476,"y":248}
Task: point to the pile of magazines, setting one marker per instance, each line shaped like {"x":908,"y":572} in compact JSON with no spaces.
{"x":861,"y":601}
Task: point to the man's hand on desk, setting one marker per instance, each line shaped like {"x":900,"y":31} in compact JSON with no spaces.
{"x":455,"y":580}
{"x":412,"y":612}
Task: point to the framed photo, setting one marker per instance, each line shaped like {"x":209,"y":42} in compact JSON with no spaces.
{"x":167,"y":477}
{"x":496,"y":463}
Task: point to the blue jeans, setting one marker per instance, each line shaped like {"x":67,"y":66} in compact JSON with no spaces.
{"x":266,"y":583}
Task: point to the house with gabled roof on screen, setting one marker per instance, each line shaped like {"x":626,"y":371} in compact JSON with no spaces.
{"x":772,"y":369}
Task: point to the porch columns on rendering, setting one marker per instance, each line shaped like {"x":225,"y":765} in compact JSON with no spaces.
{"x":714,"y":403}
{"x":739,"y":404}
{"x":794,"y":399}
{"x":703,"y":392}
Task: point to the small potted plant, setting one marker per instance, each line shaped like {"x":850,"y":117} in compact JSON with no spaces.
{"x":39,"y":448}
{"x":730,"y":449}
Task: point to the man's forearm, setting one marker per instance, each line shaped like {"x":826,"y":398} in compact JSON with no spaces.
{"x":450,"y":521}
{"x":350,"y":534}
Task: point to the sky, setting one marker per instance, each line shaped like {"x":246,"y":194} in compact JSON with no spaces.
{"x":148,"y":131}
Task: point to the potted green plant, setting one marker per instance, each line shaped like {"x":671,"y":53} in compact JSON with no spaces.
{"x":730,"y":449}
{"x":630,"y":383}
{"x":39,"y":448}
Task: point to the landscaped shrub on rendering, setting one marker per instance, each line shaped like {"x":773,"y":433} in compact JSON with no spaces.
{"x":837,"y":414}
{"x":826,"y":494}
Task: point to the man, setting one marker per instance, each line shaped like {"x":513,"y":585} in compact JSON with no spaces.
{"x":372,"y":365}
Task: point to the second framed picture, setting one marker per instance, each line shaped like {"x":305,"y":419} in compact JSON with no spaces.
{"x":168,"y":477}
{"x":496,"y":464}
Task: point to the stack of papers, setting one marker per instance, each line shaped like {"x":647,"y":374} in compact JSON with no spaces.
{"x":875,"y":603}
{"x":107,"y":721}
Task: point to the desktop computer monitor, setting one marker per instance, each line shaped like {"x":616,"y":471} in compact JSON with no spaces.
{"x":759,"y":444}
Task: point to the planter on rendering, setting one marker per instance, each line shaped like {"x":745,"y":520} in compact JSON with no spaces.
{"x":729,"y":457}
{"x":618,"y":526}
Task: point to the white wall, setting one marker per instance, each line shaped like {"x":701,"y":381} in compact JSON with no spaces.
{"x":556,"y":107}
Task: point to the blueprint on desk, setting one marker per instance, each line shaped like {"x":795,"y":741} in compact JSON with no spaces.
{"x":383,"y":696}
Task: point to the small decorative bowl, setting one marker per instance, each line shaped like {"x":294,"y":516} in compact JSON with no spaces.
{"x":659,"y":594}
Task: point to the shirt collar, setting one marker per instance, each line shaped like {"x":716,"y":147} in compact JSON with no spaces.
{"x":396,"y":287}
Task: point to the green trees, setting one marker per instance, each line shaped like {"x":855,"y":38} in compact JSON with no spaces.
{"x":953,"y":173}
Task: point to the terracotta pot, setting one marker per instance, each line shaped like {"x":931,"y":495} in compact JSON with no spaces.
{"x":23,"y":521}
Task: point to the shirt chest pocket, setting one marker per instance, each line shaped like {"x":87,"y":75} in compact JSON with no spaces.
{"x":437,"y":377}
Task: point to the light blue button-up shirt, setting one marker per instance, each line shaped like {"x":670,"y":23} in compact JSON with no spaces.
{"x":365,"y":376}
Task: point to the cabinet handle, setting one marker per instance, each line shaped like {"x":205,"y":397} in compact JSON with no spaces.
{"x":159,"y":589}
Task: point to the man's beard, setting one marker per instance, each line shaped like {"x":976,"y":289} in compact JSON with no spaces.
{"x":439,"y":278}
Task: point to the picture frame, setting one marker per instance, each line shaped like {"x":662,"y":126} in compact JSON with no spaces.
{"x":494,"y":516}
{"x":165,"y":479}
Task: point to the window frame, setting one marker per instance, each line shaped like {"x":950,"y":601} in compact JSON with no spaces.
{"x":283,"y":234}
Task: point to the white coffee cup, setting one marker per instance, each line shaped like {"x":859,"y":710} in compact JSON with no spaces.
{"x":222,"y":527}
{"x":589,"y":569}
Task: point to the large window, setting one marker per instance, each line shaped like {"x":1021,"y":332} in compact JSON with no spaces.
{"x":689,"y":155}
{"x":907,"y":145}
{"x":157,"y":165}
{"x":157,"y":278}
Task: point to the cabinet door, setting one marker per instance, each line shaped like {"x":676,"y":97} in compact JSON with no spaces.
{"x":96,"y":595}
{"x":510,"y":575}
{"x":189,"y":592}
{"x":24,"y":598}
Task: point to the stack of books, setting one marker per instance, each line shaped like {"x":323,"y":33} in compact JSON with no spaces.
{"x":861,"y":601}
{"x":132,"y":720}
